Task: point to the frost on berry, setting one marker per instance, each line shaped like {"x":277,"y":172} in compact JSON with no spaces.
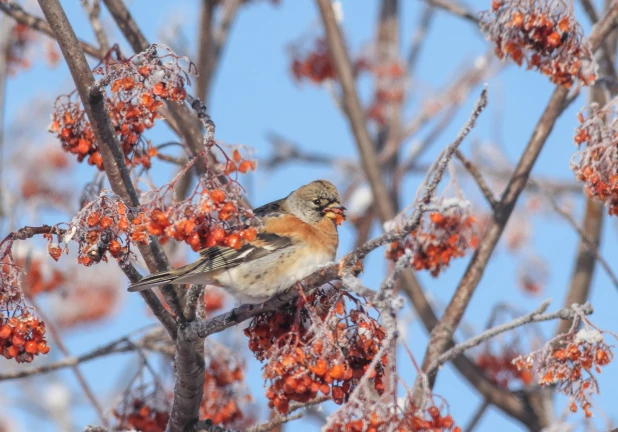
{"x":143,"y":409}
{"x":22,"y":333}
{"x":382,"y":415}
{"x":544,"y":35}
{"x":323,"y":349}
{"x":569,"y":363}
{"x":441,"y":236}
{"x":596,"y":162}
{"x":136,"y":88}
{"x":226,"y":398}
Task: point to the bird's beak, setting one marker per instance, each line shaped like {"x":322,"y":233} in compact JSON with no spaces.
{"x":334,"y":210}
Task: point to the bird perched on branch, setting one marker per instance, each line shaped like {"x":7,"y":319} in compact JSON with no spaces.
{"x":297,"y":236}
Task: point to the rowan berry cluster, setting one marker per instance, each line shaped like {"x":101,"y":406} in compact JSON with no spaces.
{"x":20,"y":37}
{"x":439,"y":238}
{"x":383,"y":417}
{"x":22,"y":334}
{"x":545,"y":35}
{"x":323,"y":348}
{"x":39,"y":279}
{"x":595,"y":164}
{"x":316,"y":64}
{"x":103,"y":225}
{"x":139,"y":85}
{"x":211,"y":216}
{"x":569,"y":363}
{"x":84,"y":304}
{"x":500,"y":369}
{"x":389,"y":91}
{"x":141,"y":416}
{"x":225,"y":394}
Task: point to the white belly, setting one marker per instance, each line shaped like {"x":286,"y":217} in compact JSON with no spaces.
{"x":256,"y":281}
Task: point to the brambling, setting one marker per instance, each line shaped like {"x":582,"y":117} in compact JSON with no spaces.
{"x":298,"y":234}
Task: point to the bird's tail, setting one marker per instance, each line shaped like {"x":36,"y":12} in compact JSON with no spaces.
{"x":177,"y":276}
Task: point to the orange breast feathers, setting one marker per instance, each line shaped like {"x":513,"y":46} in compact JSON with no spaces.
{"x":321,"y":235}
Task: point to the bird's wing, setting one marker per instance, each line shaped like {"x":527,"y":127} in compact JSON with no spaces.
{"x":216,"y":258}
{"x":222,"y":257}
{"x":272,"y":209}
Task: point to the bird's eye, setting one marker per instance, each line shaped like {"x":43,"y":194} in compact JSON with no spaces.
{"x":316,"y":201}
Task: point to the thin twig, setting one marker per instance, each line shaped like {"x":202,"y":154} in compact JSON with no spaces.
{"x":478,"y":178}
{"x":455,"y":9}
{"x":94,"y":12}
{"x":536,"y":316}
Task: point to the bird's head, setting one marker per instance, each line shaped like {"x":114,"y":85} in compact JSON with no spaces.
{"x":315,"y":201}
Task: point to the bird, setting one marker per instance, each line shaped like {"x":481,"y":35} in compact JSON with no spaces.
{"x":298,"y":235}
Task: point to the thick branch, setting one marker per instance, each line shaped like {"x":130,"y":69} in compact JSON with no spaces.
{"x":354,"y":111}
{"x":94,"y":104}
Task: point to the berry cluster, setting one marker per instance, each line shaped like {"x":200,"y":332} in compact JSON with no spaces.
{"x":104,"y":225}
{"x":595,"y":163}
{"x":22,"y":336}
{"x":317,"y":65}
{"x":139,"y":86}
{"x":500,"y":370}
{"x":142,"y":417}
{"x":389,"y":92}
{"x":210,"y":216}
{"x":444,"y":236}
{"x":569,"y":367}
{"x":320,"y":349}
{"x":20,"y":37}
{"x":87,"y":303}
{"x":543,"y":34}
{"x":38,"y":280}
{"x":381,"y":417}
{"x":225,"y":394}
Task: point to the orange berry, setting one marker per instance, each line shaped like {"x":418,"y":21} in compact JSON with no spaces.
{"x":436,"y":218}
{"x":21,"y":328}
{"x":93,"y":219}
{"x":18,"y":340}
{"x":229,"y":207}
{"x":553,"y":40}
{"x":233,"y":241}
{"x":32,"y":347}
{"x":245,"y":166}
{"x":13,"y":351}
{"x":218,"y":196}
{"x":230,"y":167}
{"x":106,"y":222}
{"x":336,"y":372}
{"x":250,"y":233}
{"x":5,"y":331}
{"x":43,"y":347}
{"x":236,"y":156}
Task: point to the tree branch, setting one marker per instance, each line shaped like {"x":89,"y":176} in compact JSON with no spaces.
{"x":14,"y":10}
{"x":94,"y":104}
{"x":443,"y":332}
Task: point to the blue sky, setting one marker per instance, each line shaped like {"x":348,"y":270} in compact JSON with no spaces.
{"x":254,"y":94}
